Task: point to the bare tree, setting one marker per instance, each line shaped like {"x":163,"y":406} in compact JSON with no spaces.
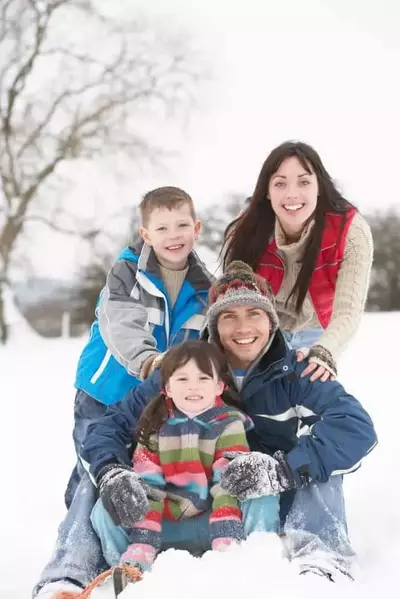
{"x":215,"y":219}
{"x":92,"y":275}
{"x":384,"y":291}
{"x":75,"y":84}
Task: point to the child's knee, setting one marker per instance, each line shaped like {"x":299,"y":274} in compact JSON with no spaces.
{"x":102,"y":521}
{"x":114,"y":539}
{"x":261,"y":514}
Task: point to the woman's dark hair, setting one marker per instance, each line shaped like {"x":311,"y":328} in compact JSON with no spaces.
{"x":247,"y":236}
{"x":209,"y":358}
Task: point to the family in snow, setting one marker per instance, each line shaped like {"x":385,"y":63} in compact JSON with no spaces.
{"x":207,"y":408}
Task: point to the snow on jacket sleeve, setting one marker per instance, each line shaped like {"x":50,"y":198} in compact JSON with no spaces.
{"x":123,"y":318}
{"x":110,"y":438}
{"x":341,"y":435}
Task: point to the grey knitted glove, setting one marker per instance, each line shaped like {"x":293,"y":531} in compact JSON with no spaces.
{"x":255,"y":474}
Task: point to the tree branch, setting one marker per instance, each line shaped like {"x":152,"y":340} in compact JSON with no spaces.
{"x":115,"y":87}
{"x":64,"y":95}
{"x":88,"y":235}
{"x":41,"y":176}
{"x":15,"y":89}
{"x":20,"y":78}
{"x":4,"y":19}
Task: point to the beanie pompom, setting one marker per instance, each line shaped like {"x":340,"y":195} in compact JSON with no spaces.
{"x":238,"y":266}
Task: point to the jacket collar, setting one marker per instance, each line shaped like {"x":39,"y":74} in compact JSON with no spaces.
{"x":213,"y":415}
{"x":198,"y":276}
{"x":277,"y":353}
{"x":275,"y":363}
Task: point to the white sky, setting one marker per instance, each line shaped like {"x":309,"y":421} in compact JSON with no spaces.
{"x":323,"y":71}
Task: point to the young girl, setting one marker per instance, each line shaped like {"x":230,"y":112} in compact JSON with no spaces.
{"x":313,"y":247}
{"x":183,"y":435}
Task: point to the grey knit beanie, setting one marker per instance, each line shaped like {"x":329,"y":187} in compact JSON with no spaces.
{"x":238,"y":286}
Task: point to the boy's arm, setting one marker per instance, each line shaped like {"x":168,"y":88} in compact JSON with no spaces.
{"x":145,"y":536}
{"x":123,"y":320}
{"x":226,"y":517}
{"x":109,"y":439}
{"x":341,"y":432}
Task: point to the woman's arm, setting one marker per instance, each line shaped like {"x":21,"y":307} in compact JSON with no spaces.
{"x":351,"y":288}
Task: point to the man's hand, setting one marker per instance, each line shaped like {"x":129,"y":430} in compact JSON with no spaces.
{"x":255,"y":474}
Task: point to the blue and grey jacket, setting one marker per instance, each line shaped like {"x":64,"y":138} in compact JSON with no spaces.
{"x":134,"y":320}
{"x":323,"y":429}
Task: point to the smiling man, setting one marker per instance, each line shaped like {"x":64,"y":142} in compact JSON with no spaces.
{"x":306,"y":434}
{"x":242,"y":315}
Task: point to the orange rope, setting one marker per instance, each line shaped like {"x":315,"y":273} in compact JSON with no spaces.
{"x":134,"y":574}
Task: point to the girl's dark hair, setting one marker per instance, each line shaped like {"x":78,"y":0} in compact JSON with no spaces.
{"x":247,"y":236}
{"x":207,"y":357}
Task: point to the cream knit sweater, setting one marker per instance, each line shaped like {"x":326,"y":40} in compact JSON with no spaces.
{"x":351,"y":287}
{"x":173,"y":281}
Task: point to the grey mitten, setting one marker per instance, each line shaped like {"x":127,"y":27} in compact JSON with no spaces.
{"x":255,"y":474}
{"x":123,"y":495}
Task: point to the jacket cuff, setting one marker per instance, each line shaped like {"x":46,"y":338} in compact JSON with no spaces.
{"x":299,"y":462}
{"x":106,"y":467}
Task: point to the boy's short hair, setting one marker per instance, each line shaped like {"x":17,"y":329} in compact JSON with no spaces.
{"x":164,"y":197}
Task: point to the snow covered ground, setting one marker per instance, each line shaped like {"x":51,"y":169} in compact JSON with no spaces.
{"x":36,"y":390}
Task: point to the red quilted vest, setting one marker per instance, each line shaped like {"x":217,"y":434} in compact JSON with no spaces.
{"x":324,"y":277}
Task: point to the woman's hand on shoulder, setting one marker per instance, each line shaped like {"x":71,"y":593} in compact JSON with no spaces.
{"x":321,"y":365}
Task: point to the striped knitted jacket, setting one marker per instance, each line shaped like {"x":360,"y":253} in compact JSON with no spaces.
{"x":185,"y":466}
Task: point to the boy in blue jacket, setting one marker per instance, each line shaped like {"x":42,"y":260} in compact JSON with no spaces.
{"x":155,"y":296}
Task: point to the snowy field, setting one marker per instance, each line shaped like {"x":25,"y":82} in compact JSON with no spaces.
{"x":36,"y":383}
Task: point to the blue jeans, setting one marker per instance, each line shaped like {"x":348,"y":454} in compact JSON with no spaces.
{"x":304,"y":338}
{"x":192,"y":534}
{"x":77,"y":556}
{"x":315,"y":531}
{"x":316,"y":527}
{"x":86,"y":410}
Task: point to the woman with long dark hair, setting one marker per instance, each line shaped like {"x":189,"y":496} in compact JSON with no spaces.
{"x":313,"y":247}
